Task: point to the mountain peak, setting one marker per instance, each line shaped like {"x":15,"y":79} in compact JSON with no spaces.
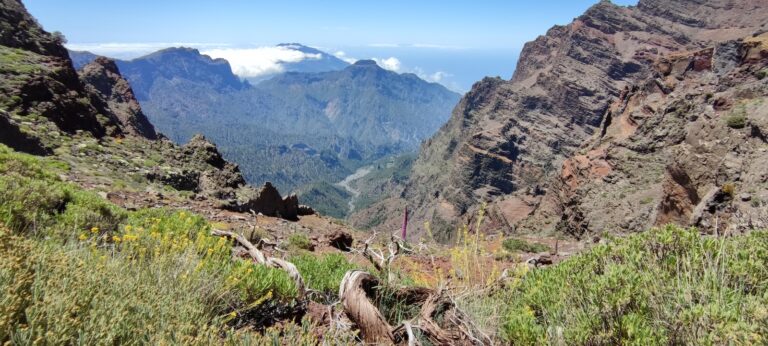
{"x":366,"y":62}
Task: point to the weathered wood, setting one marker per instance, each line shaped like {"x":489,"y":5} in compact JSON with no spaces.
{"x":358,"y":307}
{"x":259,"y":257}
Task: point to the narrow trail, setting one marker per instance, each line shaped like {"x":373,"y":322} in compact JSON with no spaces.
{"x":346,"y":184}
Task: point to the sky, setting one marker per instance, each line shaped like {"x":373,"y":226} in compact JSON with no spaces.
{"x":451,"y":42}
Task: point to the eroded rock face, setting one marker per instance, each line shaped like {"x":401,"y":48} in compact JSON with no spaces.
{"x":508,"y":138}
{"x":675,"y":151}
{"x":102,"y":78}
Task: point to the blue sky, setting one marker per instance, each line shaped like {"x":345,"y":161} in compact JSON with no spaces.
{"x":457,"y":42}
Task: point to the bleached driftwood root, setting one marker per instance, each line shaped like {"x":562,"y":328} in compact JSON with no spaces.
{"x":354,"y":291}
{"x":359,"y":289}
{"x":257,"y":256}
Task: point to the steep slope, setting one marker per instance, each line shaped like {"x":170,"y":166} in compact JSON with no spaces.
{"x":368,"y":103}
{"x":506,"y":138}
{"x":687,"y":146}
{"x":102,"y":77}
{"x":35,"y":73}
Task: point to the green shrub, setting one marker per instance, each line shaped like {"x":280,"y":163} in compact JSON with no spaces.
{"x":520,"y":245}
{"x":665,"y":286}
{"x":761,"y":74}
{"x":737,"y":119}
{"x":30,"y":166}
{"x":324,"y":273}
{"x":50,"y":208}
{"x":76,"y":269}
{"x":299,"y":241}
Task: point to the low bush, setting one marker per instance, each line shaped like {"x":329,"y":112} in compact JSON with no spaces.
{"x":299,"y":241}
{"x":324,"y":273}
{"x":762,"y":73}
{"x":665,"y":286}
{"x":737,"y":119}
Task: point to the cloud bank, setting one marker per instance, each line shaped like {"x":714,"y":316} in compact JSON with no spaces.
{"x":261,"y":61}
{"x":257,"y":62}
{"x":391,"y":63}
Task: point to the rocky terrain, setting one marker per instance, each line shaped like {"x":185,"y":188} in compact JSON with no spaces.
{"x":111,"y":233}
{"x":517,"y":144}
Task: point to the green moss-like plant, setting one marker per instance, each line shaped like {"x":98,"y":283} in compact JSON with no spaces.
{"x":520,"y":245}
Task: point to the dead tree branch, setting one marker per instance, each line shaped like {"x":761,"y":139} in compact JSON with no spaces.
{"x":257,"y":256}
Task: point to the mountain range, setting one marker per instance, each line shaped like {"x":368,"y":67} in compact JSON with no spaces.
{"x":297,"y":128}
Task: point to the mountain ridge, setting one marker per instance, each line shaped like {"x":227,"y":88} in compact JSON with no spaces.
{"x":505,"y":139}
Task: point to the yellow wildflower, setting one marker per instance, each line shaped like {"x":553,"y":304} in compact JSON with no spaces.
{"x":128,"y":228}
{"x":116,"y":239}
{"x":83,"y":237}
{"x":95,"y":230}
{"x":232,"y":314}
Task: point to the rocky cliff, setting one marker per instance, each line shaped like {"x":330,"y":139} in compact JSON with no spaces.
{"x":507,"y":139}
{"x":102,"y":78}
{"x":687,"y":145}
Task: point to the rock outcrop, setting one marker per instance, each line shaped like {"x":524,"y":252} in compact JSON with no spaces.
{"x":268,"y":201}
{"x":19,"y":29}
{"x":102,"y":78}
{"x":507,"y":140}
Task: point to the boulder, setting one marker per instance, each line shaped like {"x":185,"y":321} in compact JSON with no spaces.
{"x":340,"y":240}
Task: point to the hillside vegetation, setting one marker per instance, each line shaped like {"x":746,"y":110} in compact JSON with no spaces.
{"x":78,"y":269}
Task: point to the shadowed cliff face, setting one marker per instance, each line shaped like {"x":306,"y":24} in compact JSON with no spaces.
{"x":506,"y":139}
{"x":103,"y":79}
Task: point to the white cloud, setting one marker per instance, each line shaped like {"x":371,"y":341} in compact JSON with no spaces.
{"x":256,"y":62}
{"x":391,"y":63}
{"x":343,"y":56}
{"x":437,"y":77}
